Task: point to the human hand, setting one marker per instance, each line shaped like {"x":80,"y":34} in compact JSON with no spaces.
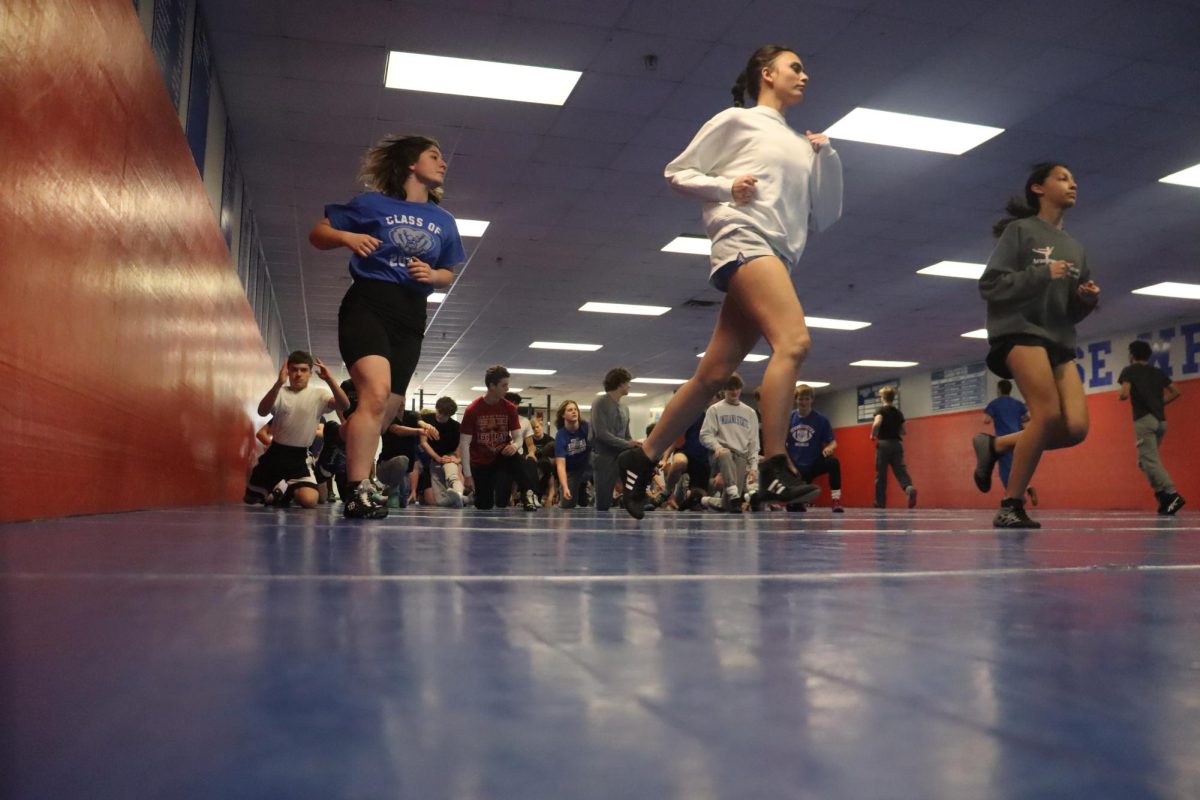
{"x":508,"y":449}
{"x":1061,"y":269}
{"x":817,"y":140}
{"x":361,"y":244}
{"x":418,"y":270}
{"x":743,"y":188}
{"x":1088,"y":293}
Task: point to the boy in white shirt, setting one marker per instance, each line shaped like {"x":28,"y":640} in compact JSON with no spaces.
{"x":295,"y":408}
{"x":730,"y":431}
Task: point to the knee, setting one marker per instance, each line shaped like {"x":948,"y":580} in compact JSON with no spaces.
{"x":372,"y":398}
{"x":833,"y":462}
{"x":1074,"y":432}
{"x":712,"y":381}
{"x":794,"y":346}
{"x":306,"y":498}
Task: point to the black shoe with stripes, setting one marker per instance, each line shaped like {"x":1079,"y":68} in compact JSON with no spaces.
{"x":635,"y":470}
{"x":777,"y":484}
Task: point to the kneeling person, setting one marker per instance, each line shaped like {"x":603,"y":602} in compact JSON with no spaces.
{"x":810,"y":446}
{"x":295,"y":408}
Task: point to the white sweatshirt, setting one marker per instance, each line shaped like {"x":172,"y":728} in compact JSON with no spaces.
{"x":797,"y":188}
{"x":731,"y":426}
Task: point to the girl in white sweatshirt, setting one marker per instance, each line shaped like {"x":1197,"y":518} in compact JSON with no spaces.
{"x":763,"y":186}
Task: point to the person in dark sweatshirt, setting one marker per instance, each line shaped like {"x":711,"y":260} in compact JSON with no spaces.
{"x":1148,"y":389}
{"x":610,"y":434}
{"x":1038,"y":287}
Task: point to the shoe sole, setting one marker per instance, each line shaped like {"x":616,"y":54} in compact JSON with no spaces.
{"x":983,"y":454}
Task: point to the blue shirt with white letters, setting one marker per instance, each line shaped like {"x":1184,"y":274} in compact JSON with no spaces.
{"x":421,"y":230}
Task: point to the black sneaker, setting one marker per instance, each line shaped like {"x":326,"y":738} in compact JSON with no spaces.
{"x":1012,"y":515}
{"x":1162,"y":498}
{"x":252,"y":498}
{"x":985,"y":460}
{"x":363,"y":504}
{"x":529,"y":502}
{"x":777,"y":484}
{"x":797,"y":508}
{"x":1173,"y":504}
{"x":635,"y":469}
{"x":692,"y":501}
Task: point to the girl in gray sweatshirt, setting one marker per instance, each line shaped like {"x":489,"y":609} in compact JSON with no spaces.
{"x":1038,"y":287}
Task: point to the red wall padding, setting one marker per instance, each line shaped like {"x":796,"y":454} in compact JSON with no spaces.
{"x":129,"y":356}
{"x":1099,"y":473}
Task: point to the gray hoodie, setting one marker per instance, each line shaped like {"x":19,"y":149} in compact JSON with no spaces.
{"x":1021,"y":297}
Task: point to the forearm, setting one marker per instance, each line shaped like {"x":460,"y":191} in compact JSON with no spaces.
{"x":268,"y":402}
{"x":441,"y":278}
{"x":324,"y":236}
{"x":340,"y":400}
{"x":464,"y":454}
{"x":560,"y":468}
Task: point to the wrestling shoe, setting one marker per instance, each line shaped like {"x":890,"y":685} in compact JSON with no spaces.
{"x":634,"y":469}
{"x":985,"y":460}
{"x":777,"y":484}
{"x":362,"y":503}
{"x":1012,"y":515}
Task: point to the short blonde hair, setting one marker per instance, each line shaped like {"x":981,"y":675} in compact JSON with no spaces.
{"x":887,"y":394}
{"x":804,"y":390}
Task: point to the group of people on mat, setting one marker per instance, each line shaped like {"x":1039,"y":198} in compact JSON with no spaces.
{"x":763,"y":187}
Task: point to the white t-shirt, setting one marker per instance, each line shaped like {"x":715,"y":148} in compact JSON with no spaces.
{"x":526,"y":430}
{"x":797,"y":189}
{"x":295,"y":414}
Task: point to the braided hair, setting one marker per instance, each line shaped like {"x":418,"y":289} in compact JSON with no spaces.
{"x":749,"y":82}
{"x":1027,"y":206}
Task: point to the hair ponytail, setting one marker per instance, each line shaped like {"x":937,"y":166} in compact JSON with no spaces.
{"x":749,"y":82}
{"x":1029,"y":205}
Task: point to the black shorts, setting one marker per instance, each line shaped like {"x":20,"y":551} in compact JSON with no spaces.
{"x":380,"y":318}
{"x":699,"y":471}
{"x":282,"y":463}
{"x":997,"y":358}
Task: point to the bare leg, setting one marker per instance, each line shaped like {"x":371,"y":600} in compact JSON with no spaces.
{"x":372,"y":376}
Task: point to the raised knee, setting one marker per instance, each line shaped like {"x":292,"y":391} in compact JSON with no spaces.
{"x":372,"y":398}
{"x":712,"y":382}
{"x":794,"y":347}
{"x":1075,"y":434}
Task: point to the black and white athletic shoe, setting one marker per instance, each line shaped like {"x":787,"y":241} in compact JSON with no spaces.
{"x":529,"y":501}
{"x":985,"y":460}
{"x":364,"y":504}
{"x":1012,"y":515}
{"x":635,"y":469}
{"x":777,"y":484}
{"x":1172,"y":505}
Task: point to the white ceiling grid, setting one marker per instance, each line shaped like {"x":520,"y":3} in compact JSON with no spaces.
{"x":579,"y":208}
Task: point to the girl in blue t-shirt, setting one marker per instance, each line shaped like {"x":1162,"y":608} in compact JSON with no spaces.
{"x":572,"y":455}
{"x":403,"y":246}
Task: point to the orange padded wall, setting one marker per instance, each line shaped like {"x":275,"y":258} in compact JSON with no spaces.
{"x":129,"y":356}
{"x":1099,"y":473}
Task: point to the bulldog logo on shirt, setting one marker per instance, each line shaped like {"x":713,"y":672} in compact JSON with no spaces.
{"x":411,"y":242}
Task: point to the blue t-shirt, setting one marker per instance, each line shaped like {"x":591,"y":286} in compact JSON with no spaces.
{"x":1006,"y":413}
{"x":406,"y":229}
{"x":692,"y":446}
{"x":573,"y":446}
{"x":807,"y":436}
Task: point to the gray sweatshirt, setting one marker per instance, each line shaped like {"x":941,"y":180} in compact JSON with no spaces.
{"x":730,"y":426}
{"x":1021,"y":297}
{"x":610,"y":426}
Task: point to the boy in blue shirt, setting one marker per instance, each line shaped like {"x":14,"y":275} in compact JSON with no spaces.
{"x":810,"y":447}
{"x":1008,"y":415}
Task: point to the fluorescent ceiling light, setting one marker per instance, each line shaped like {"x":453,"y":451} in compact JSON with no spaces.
{"x":835,"y":324}
{"x":631,"y":394}
{"x":437,"y":297}
{"x":692,"y":245}
{"x":625,"y":308}
{"x":584,"y":408}
{"x":564,"y":346}
{"x":1185,"y":177}
{"x":979,"y":334}
{"x":1180,"y":291}
{"x":516,"y":389}
{"x":814,"y":384}
{"x":471,"y":78}
{"x":472,"y":227}
{"x":954,"y":269}
{"x":526,"y":371}
{"x":753,"y":358}
{"x":662,"y":381}
{"x":907,"y":130}
{"x":869,"y":362}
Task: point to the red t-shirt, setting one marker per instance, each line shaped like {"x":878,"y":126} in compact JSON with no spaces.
{"x":490,"y":428}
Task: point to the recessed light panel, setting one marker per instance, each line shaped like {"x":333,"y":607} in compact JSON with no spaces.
{"x":835,"y":324}
{"x":954,"y":269}
{"x":471,"y":78}
{"x":909,"y":131}
{"x":625,"y":308}
{"x":870,"y":362}
{"x":565,"y":346}
{"x":1185,"y":177}
{"x":1179,"y":291}
{"x":692,"y":245}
